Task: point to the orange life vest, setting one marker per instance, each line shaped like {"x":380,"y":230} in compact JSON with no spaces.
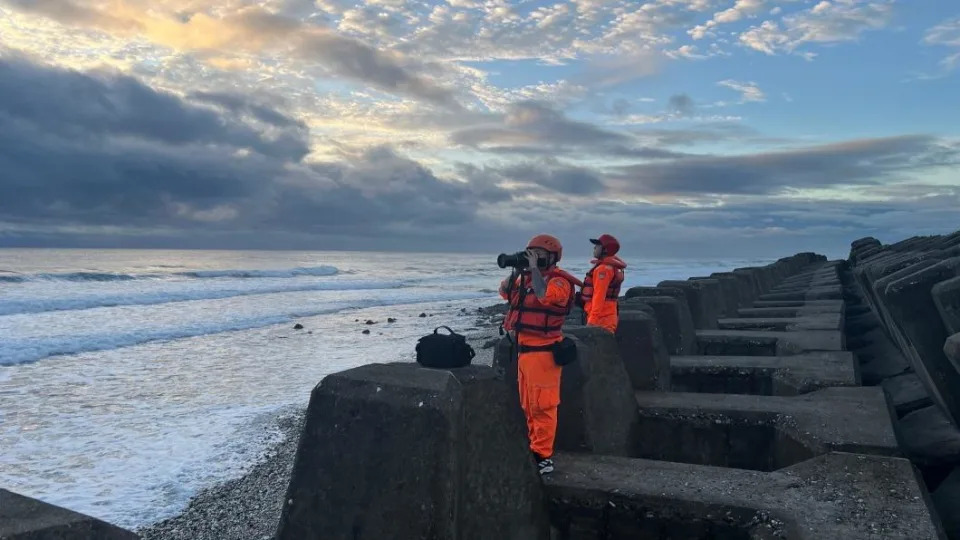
{"x":613,"y":291}
{"x":527,"y":314}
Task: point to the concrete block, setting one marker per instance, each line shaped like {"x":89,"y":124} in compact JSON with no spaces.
{"x":25,"y":518}
{"x":837,"y":496}
{"x":946,"y":296}
{"x":822,"y":321}
{"x":907,"y":394}
{"x":910,"y":305}
{"x":597,"y":410}
{"x":764,"y":432}
{"x":800,"y":309}
{"x":814,"y":293}
{"x":881,"y":360}
{"x":951,"y":348}
{"x":767,"y":343}
{"x":673,"y":316}
{"x":703,"y":306}
{"x":946,"y":499}
{"x":434,"y":450}
{"x":643,"y":351}
{"x":929,"y":439}
{"x":756,"y":288}
{"x":728,"y":290}
{"x":763,"y":375}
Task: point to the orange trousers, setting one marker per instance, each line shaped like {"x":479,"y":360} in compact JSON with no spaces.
{"x":539,"y":381}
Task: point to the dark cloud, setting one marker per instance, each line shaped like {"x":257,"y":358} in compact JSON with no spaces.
{"x":242,"y":104}
{"x":84,"y":151}
{"x":681,"y":104}
{"x":865,"y":162}
{"x":79,"y":106}
{"x":533,"y":128}
{"x":556,"y":177}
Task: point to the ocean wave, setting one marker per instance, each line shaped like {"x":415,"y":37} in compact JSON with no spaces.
{"x":32,"y":305}
{"x":22,"y":351}
{"x":318,"y":271}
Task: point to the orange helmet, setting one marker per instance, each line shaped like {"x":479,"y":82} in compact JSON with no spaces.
{"x":547,"y":242}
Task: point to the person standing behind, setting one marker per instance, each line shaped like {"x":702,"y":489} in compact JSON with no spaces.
{"x":601,"y":288}
{"x":540,"y":297}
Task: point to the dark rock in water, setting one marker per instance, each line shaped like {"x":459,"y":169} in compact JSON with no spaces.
{"x":402,"y":451}
{"x":490,"y":343}
{"x":423,"y":315}
{"x":391,"y":319}
{"x":365,"y":332}
{"x":463,"y":310}
{"x":30,"y":519}
{"x":370,"y":322}
{"x":298,"y":326}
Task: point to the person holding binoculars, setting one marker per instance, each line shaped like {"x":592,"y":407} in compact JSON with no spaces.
{"x":541,"y":296}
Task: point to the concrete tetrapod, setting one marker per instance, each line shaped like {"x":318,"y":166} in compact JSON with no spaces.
{"x":837,"y":496}
{"x":398,"y":450}
{"x":25,"y":518}
{"x":597,"y":411}
{"x":763,"y":375}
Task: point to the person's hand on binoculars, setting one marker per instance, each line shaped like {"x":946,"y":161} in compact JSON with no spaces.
{"x":531,"y":258}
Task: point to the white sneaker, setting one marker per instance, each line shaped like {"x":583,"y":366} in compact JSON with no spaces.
{"x":545,"y":466}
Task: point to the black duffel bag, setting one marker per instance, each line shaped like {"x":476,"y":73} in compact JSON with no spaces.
{"x":444,"y":351}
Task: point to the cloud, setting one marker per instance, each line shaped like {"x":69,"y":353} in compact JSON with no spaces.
{"x":253,"y":29}
{"x":740,"y":10}
{"x":859,"y":162}
{"x":749,"y":90}
{"x":946,"y":34}
{"x":826,"y":22}
{"x":106,"y":150}
{"x":681,"y":104}
{"x":556,"y":177}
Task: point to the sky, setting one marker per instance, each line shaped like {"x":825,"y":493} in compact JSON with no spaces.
{"x":686,"y":128}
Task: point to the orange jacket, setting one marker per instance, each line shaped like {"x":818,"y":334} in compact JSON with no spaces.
{"x":600,"y":291}
{"x":539,"y":322}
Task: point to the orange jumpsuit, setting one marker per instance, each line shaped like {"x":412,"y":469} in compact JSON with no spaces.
{"x":538,"y":376}
{"x":600,"y":310}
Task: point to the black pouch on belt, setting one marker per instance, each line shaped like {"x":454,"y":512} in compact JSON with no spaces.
{"x":564,"y":351}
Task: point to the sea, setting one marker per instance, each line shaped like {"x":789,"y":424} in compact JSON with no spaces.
{"x":132,"y":379}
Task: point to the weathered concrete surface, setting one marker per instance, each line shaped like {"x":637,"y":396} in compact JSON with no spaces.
{"x":951,"y":348}
{"x":728,"y":287}
{"x":437,"y":451}
{"x":767,"y":343}
{"x":764,"y":432}
{"x":946,"y":296}
{"x":929,"y":439}
{"x":946,"y":499}
{"x":907,"y":394}
{"x":742,"y":287}
{"x":642,"y":349}
{"x":702,"y":309}
{"x":837,"y":496}
{"x":763,"y":375}
{"x":802,"y":309}
{"x":813,"y":293}
{"x":881,"y":360}
{"x":25,"y":518}
{"x":821,"y":321}
{"x":793,"y":303}
{"x":675,"y":321}
{"x":920,"y":332}
{"x":597,"y":412}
